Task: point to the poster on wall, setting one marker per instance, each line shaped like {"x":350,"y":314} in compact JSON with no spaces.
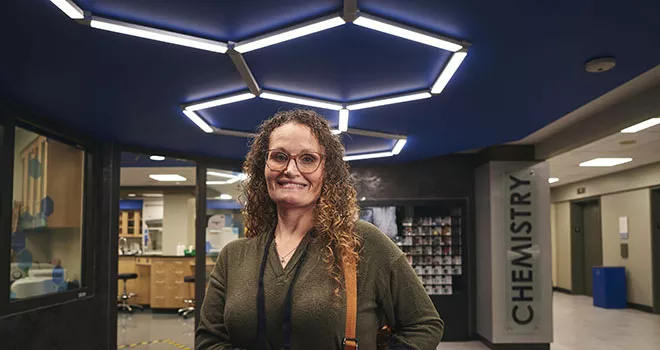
{"x":522,"y":228}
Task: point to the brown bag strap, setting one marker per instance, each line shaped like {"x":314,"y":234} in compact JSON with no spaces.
{"x":350,"y":278}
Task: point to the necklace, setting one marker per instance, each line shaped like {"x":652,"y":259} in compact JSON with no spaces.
{"x":283,"y":257}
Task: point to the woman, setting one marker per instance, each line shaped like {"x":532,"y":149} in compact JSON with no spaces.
{"x":282,"y":287}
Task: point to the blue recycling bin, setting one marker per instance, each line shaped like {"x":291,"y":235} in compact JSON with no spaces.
{"x":609,"y":287}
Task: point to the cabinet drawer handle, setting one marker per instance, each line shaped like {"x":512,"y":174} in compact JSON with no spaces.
{"x":178,"y":262}
{"x":160,"y":282}
{"x":160,"y":297}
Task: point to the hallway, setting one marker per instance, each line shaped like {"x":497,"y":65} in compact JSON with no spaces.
{"x":578,"y":326}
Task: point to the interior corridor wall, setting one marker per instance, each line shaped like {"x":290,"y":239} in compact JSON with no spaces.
{"x":561,"y":231}
{"x":637,"y":207}
{"x":626,"y":193}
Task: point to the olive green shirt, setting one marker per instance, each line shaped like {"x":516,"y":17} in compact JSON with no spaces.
{"x":389,"y":292}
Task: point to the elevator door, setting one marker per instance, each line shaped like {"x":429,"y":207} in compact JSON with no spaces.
{"x":593,"y":242}
{"x":655,"y":248}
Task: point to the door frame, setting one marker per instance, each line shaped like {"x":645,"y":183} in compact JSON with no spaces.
{"x":577,"y":241}
{"x":654,"y":194}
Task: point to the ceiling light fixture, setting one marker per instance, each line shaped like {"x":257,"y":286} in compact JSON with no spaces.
{"x":167,"y":177}
{"x":553,"y":180}
{"x":367,"y":156}
{"x":198,"y":121}
{"x":300,"y":100}
{"x":215,"y":173}
{"x":157,"y":158}
{"x":157,"y":34}
{"x":154,"y":195}
{"x":641,"y":126}
{"x":69,"y":8}
{"x":389,"y":100}
{"x":220,"y":101}
{"x":399,"y":146}
{"x":131,"y":194}
{"x":448,"y":72}
{"x":604,"y":162}
{"x":286,"y":34}
{"x":343,"y":120}
{"x":225,"y":196}
{"x":402,"y":31}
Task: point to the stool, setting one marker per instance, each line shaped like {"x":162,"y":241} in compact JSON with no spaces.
{"x":185,"y":311}
{"x":123,"y":304}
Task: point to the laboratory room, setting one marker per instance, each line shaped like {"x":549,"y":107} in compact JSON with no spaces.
{"x":156,"y":241}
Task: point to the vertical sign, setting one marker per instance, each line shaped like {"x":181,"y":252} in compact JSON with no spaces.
{"x":522,"y":230}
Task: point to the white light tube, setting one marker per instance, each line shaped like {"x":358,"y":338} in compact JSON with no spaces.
{"x":288,"y":34}
{"x":157,"y":158}
{"x":153,"y":195}
{"x":641,"y":126}
{"x":405,"y":32}
{"x":603,"y":162}
{"x":399,"y":146}
{"x":198,"y":121}
{"x":335,"y":132}
{"x":553,"y":180}
{"x":69,"y":8}
{"x":368,"y":156}
{"x":158,"y":35}
{"x":220,"y":101}
{"x":225,"y":196}
{"x":215,"y":173}
{"x":300,"y":100}
{"x":389,"y":101}
{"x":448,"y":72}
{"x":343,"y":120}
{"x":167,"y":177}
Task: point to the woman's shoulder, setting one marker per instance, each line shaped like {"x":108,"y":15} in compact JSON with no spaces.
{"x":375,"y":244}
{"x":240,"y":247}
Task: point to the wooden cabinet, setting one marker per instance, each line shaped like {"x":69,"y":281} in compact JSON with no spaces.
{"x":130,"y":223}
{"x":168,"y":290}
{"x":52,"y":187}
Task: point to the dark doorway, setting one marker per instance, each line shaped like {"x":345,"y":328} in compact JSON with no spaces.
{"x":586,"y":244}
{"x":655,"y":247}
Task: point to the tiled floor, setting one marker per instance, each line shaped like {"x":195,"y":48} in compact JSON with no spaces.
{"x":577,"y":325}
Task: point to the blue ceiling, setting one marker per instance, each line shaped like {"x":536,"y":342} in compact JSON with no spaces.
{"x":523,"y":71}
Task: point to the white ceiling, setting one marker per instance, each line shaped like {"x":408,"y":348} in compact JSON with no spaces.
{"x":139,"y":177}
{"x":645,"y":151}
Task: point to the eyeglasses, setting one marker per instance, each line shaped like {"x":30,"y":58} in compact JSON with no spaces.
{"x":306,"y":163}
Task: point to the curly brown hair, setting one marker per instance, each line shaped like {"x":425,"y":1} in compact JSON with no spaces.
{"x":336,"y":209}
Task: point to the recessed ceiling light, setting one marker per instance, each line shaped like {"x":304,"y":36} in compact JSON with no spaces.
{"x":641,"y":126}
{"x":286,"y":34}
{"x":368,"y":156}
{"x":157,"y":158}
{"x":402,"y":31}
{"x":69,"y":8}
{"x":389,"y":100}
{"x":300,"y":100}
{"x":224,"y":100}
{"x":605,"y":162}
{"x":215,"y":173}
{"x":553,"y":180}
{"x":131,"y":194}
{"x":167,"y":177}
{"x":155,"y":195}
{"x":225,"y":196}
{"x":157,"y":34}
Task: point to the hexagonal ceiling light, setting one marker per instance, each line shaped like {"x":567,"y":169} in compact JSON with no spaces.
{"x":235,"y":50}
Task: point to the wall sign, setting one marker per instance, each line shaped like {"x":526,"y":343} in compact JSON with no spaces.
{"x":522,"y":273}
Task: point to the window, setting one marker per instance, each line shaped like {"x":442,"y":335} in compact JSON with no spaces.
{"x":47,"y":216}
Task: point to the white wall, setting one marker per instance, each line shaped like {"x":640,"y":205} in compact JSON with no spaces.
{"x":637,"y":207}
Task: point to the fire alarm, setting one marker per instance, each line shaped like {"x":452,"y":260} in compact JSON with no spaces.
{"x":599,"y":65}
